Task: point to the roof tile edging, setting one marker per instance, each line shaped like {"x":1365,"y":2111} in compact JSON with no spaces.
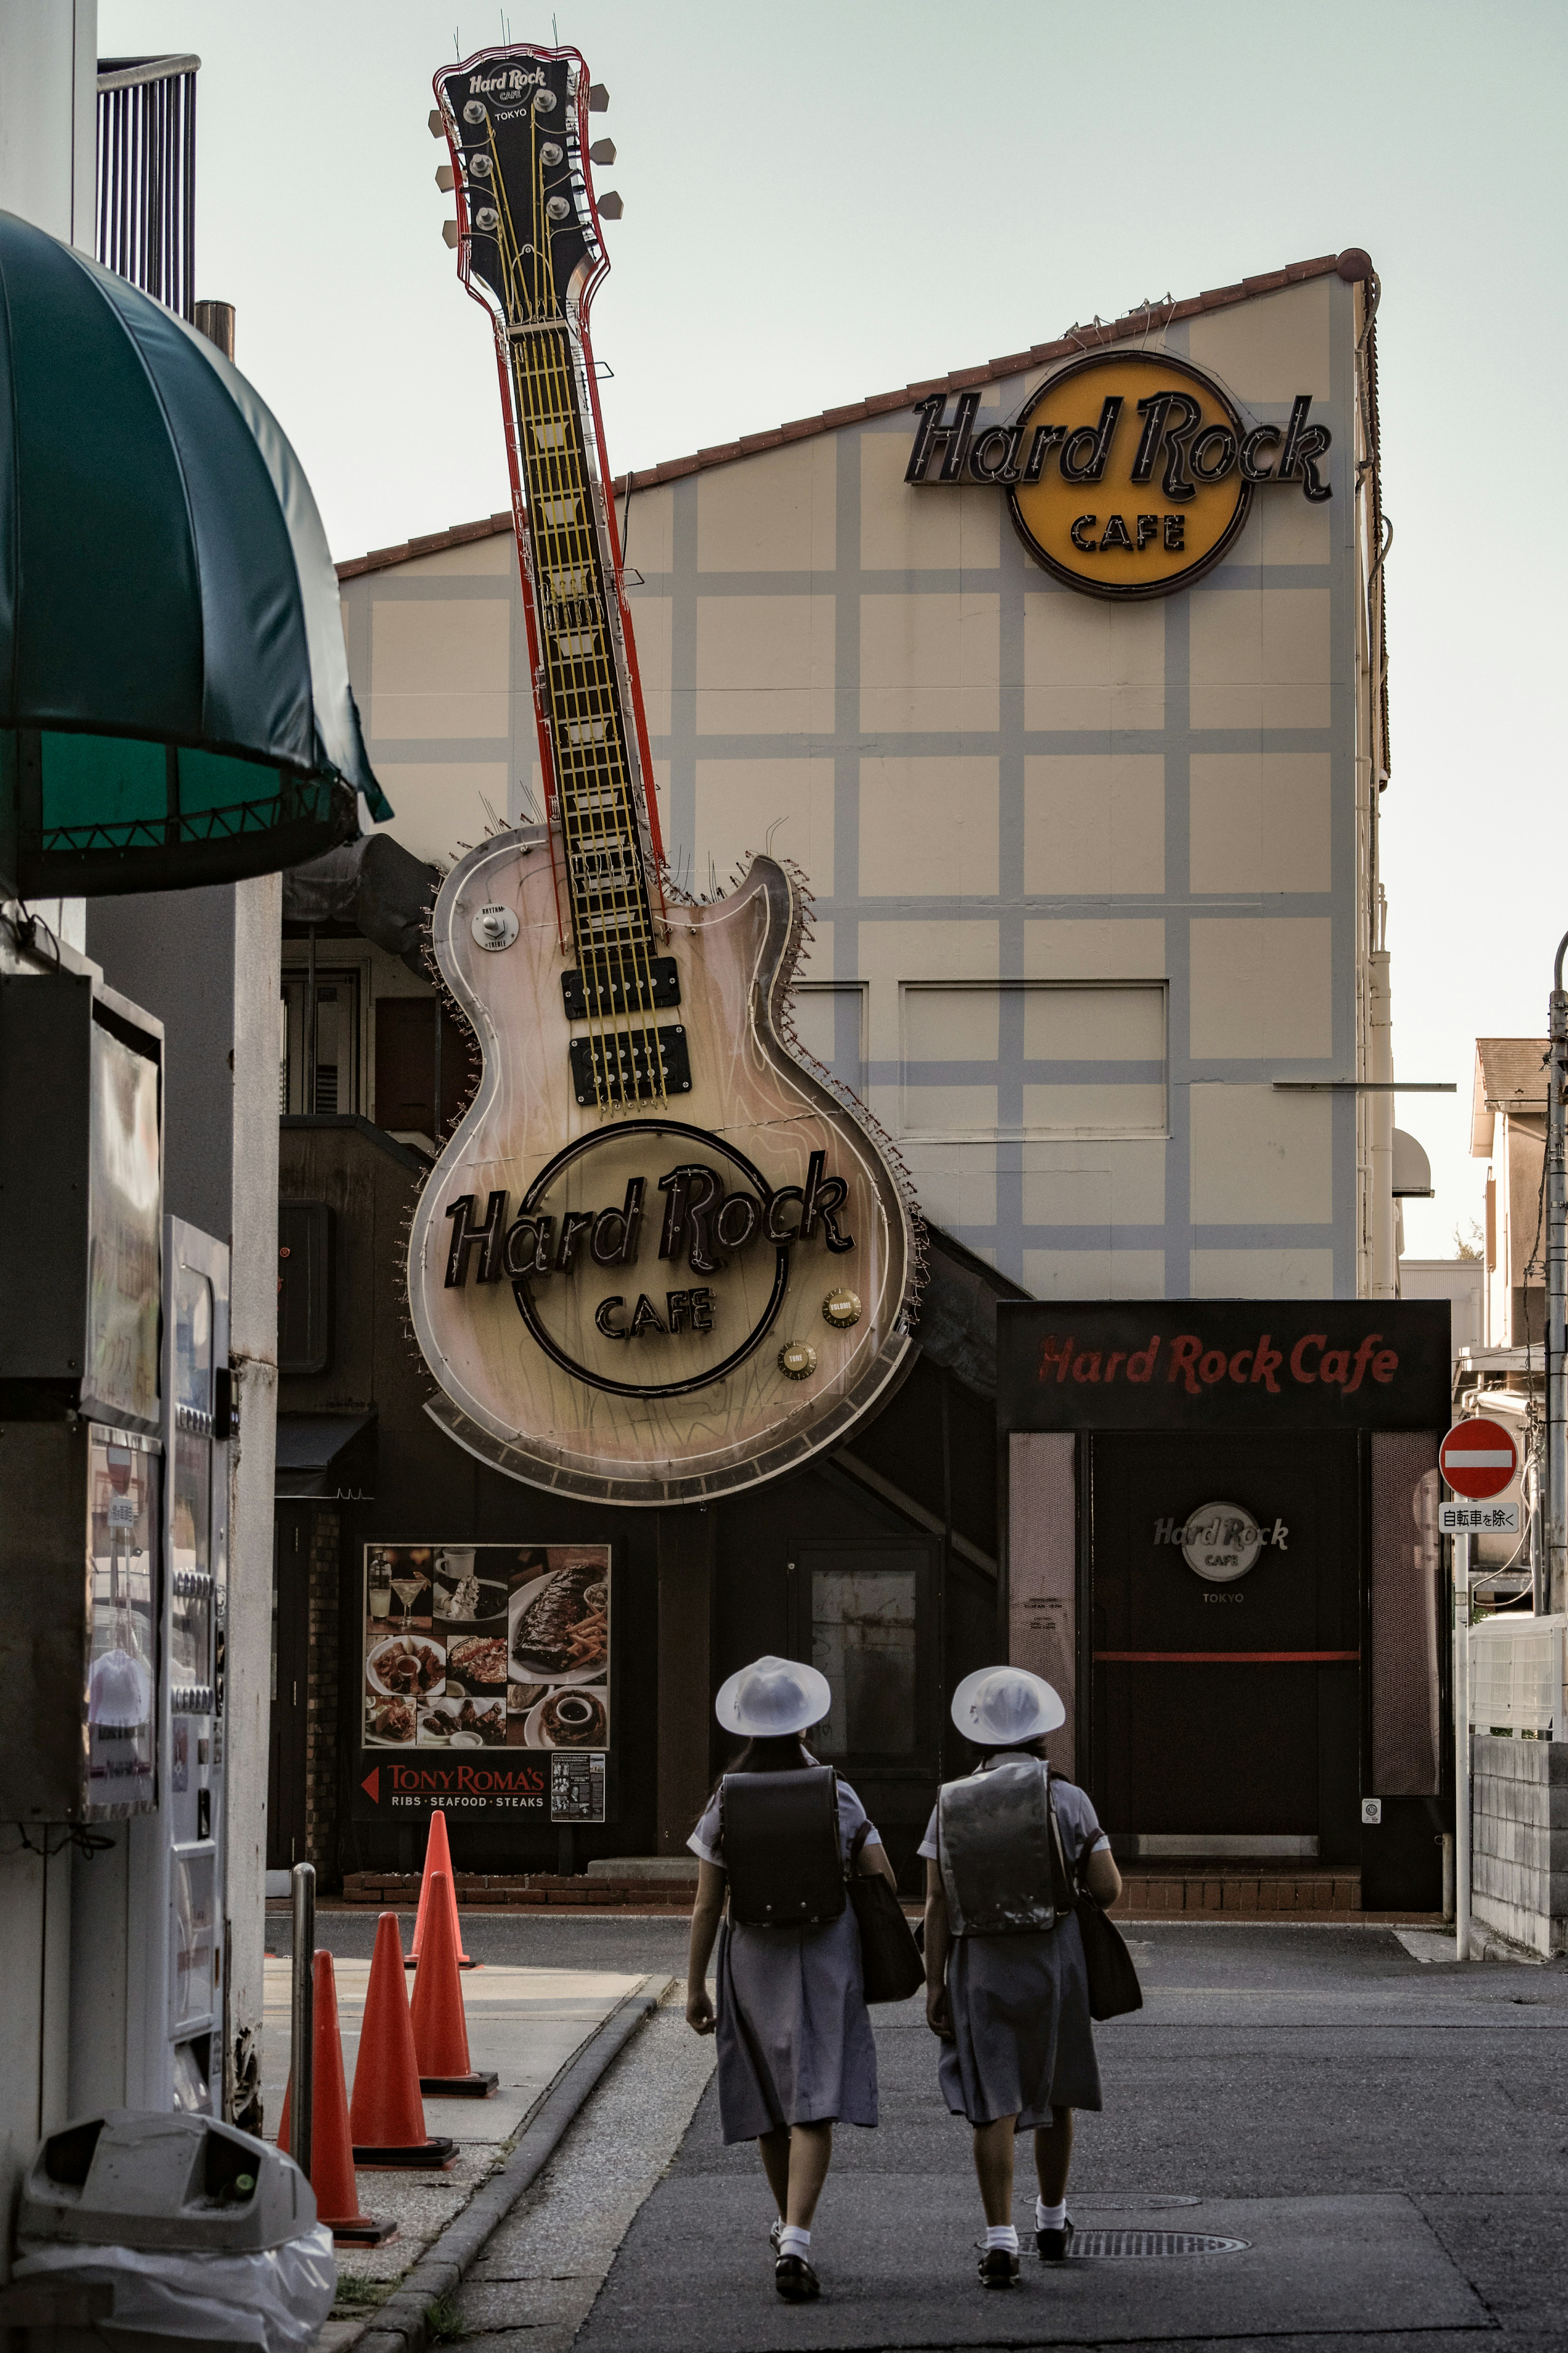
{"x":1079,"y":339}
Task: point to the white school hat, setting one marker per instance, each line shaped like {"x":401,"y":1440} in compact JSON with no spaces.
{"x":1001,"y":1706}
{"x":772,"y":1697}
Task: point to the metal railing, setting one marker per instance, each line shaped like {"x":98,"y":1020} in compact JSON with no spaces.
{"x":147,"y":175}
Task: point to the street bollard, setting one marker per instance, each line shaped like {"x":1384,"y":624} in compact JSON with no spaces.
{"x":302,"y":2016}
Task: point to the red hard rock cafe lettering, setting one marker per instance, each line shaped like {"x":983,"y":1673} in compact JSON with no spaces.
{"x":1187,"y":1353}
{"x":1312,"y":1362}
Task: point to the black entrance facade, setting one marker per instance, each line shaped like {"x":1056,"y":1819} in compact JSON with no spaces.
{"x":1226,"y":1702}
{"x":1221,"y":1547}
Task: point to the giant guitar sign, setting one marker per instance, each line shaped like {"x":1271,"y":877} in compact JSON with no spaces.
{"x":662,"y":1257}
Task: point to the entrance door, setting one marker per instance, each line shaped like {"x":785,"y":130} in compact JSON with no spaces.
{"x":1225,"y":1674}
{"x":286,"y":1837}
{"x":864,"y":1614}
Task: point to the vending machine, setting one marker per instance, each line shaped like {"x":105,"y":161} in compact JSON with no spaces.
{"x":81,"y":1440}
{"x":177,"y":1853}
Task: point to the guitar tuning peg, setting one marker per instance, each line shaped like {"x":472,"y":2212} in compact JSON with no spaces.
{"x":445,"y":178}
{"x":602,"y":151}
{"x":598,"y":98}
{"x":610,"y":206}
{"x":438,"y":122}
{"x":449,"y":233}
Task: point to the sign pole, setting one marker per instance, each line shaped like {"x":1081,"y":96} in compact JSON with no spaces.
{"x":1556,"y":1592}
{"x":1462,"y":1747}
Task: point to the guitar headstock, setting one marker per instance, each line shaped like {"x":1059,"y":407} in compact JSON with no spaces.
{"x":516,"y":121}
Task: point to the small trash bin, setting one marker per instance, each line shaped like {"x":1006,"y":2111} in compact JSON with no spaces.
{"x":165,"y":2234}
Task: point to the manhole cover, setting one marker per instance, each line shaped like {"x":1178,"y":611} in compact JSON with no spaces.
{"x":1152,"y":2243}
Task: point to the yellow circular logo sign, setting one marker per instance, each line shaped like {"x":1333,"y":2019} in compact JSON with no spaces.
{"x":1133,"y":474}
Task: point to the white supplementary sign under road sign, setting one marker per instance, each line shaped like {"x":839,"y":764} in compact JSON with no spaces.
{"x":1478,"y":1459}
{"x":1478,"y":1519}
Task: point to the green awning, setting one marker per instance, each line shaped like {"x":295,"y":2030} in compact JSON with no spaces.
{"x":174,"y":698}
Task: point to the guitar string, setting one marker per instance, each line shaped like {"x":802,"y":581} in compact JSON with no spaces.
{"x":552,"y":404}
{"x":593,"y":705}
{"x":607,"y":770}
{"x":604,"y":874}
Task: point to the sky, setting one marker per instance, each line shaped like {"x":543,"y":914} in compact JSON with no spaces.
{"x":824,"y":201}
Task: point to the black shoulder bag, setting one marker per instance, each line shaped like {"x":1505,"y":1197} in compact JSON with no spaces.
{"x":890,"y":1961}
{"x":1113,"y":1987}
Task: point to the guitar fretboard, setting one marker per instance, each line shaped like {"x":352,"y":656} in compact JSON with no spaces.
{"x":607,"y":883}
{"x":583,"y":684}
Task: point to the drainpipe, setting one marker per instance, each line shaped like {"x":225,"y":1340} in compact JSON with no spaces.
{"x":1385,"y":1283}
{"x":1557,"y":1289}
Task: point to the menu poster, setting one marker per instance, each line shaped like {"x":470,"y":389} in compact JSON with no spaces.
{"x":471,"y":1647}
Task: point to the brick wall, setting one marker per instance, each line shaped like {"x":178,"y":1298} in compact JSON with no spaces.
{"x":321,"y":1742}
{"x":1519,"y":1816}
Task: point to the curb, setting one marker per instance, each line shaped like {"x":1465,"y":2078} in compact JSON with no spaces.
{"x":399,"y":2326}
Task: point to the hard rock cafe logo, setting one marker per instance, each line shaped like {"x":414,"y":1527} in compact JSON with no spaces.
{"x":1220,"y":1541}
{"x":1129,"y":473}
{"x":508,"y":82}
{"x":714,"y":1216}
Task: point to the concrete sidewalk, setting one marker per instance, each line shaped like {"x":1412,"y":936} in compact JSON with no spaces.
{"x":528,"y":2024}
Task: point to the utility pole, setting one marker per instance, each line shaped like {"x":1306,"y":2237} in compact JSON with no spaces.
{"x":1557,"y":1291}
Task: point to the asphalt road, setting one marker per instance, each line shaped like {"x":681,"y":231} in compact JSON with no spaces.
{"x":1388,"y":2140}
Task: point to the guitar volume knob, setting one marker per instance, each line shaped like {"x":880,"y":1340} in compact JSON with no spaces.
{"x":494,"y":927}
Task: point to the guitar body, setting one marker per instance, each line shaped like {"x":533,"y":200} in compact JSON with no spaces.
{"x":662,"y":1257}
{"x":650,"y":1418}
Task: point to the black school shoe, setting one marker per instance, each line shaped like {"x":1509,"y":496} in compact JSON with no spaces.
{"x":998,"y":2268}
{"x":794,"y":2279}
{"x":1053,"y":2244}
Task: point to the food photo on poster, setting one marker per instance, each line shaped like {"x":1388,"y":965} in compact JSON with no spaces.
{"x":487,"y":1646}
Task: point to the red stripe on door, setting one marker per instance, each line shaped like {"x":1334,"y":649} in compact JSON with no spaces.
{"x":1223,"y":1657}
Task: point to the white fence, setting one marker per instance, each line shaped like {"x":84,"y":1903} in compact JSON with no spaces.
{"x":1516,"y":1677}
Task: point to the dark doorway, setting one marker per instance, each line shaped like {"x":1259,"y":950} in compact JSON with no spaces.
{"x":865,"y":1614}
{"x":1226,"y":1707}
{"x":285,"y":1833}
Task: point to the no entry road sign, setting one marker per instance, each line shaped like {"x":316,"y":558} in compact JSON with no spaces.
{"x":1478,"y":1459}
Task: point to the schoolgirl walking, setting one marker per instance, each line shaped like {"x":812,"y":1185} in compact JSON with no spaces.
{"x":1007,"y":1986}
{"x":795,"y":2046}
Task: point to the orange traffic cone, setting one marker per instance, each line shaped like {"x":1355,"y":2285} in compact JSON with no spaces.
{"x":437,"y":1857}
{"x":388,"y":2116}
{"x":332,"y":2154}
{"x":440,"y":2030}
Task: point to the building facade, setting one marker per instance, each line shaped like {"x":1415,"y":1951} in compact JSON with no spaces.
{"x":1098,"y":937}
{"x":1089,"y":876}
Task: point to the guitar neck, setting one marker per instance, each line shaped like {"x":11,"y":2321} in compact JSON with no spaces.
{"x":598,"y":794}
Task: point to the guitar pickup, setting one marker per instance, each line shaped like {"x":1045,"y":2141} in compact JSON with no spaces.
{"x":649,"y":986}
{"x":619,"y":1068}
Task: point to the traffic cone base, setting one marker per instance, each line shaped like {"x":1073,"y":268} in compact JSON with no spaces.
{"x":438,"y":2153}
{"x":475,"y":2086}
{"x":363,"y":2231}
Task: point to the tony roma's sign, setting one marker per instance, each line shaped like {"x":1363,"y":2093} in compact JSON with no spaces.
{"x":1129,"y":473}
{"x":1231,"y":1364}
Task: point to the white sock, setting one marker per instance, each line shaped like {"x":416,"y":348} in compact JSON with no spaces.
{"x":1050,"y":2218}
{"x":793,"y":2241}
{"x":1001,"y":2234}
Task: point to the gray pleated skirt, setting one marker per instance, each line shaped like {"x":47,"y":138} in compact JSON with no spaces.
{"x":1025,"y":2042}
{"x":794,"y":2038}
